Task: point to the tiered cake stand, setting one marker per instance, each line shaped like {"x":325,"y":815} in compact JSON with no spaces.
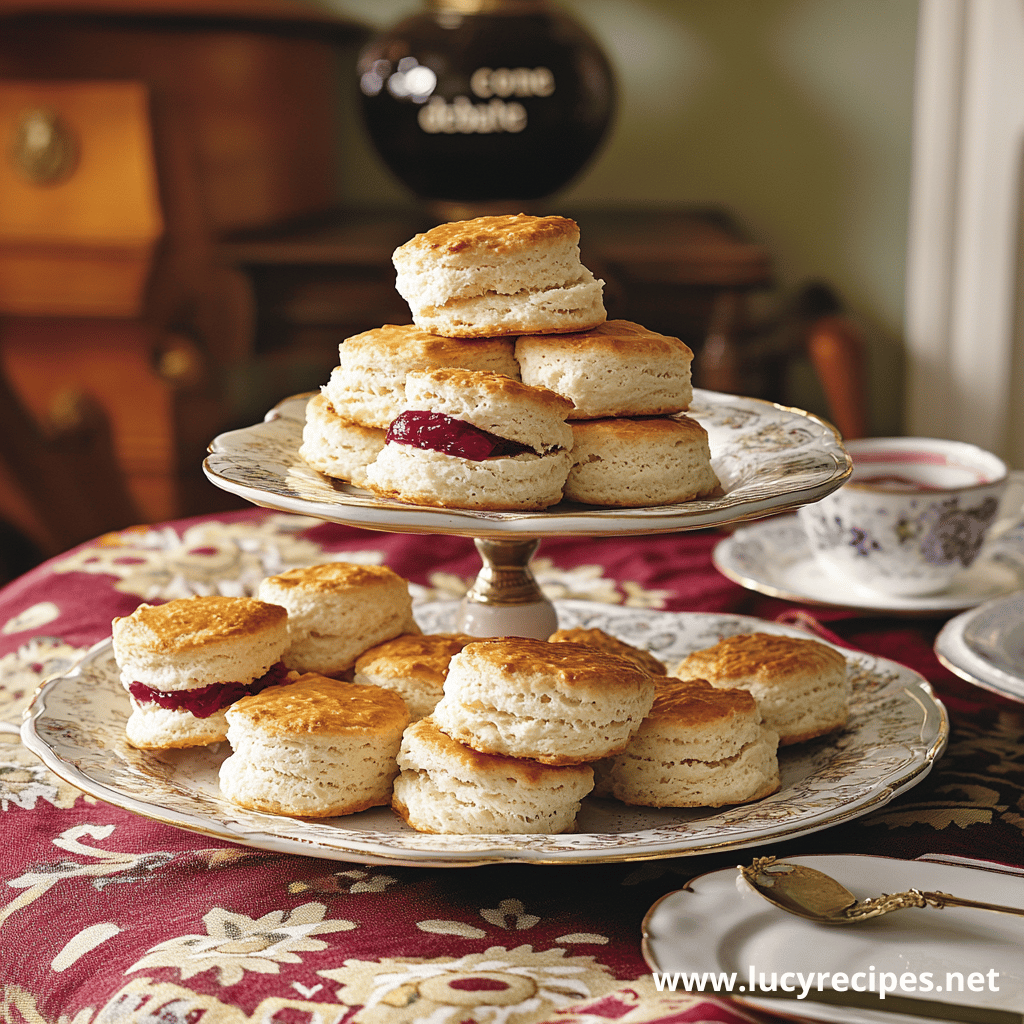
{"x":769,"y":458}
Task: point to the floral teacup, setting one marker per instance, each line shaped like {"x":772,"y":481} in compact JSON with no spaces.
{"x":913,"y":514}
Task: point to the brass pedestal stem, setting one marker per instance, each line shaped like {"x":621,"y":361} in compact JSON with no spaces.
{"x":505,"y":599}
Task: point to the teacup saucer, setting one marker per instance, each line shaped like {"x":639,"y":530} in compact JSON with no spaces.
{"x":772,"y":557}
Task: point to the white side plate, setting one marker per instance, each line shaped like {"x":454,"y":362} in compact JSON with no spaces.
{"x":719,"y":924}
{"x":985,"y":646}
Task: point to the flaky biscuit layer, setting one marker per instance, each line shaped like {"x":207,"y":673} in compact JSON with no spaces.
{"x":801,"y":686}
{"x":699,"y":746}
{"x":335,"y":446}
{"x":500,"y":405}
{"x":368,"y":385}
{"x":192,"y":642}
{"x":414,"y":666}
{"x":337,"y":610}
{"x":446,"y":787}
{"x":424,"y":477}
{"x":499,"y":276}
{"x":616,"y":369}
{"x":560,"y":703}
{"x":315,"y":747}
{"x":606,"y":642}
{"x":631,"y":463}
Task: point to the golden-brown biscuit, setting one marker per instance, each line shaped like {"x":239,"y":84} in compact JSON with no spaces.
{"x":184,"y":662}
{"x":499,"y":275}
{"x":413,"y":665}
{"x":800,"y":685}
{"x":315,"y":747}
{"x":561,"y":703}
{"x":699,"y":746}
{"x":630,"y":463}
{"x":368,"y":384}
{"x":606,"y":642}
{"x":618,"y":368}
{"x":473,"y":439}
{"x":337,"y":610}
{"x":446,"y":787}
{"x":335,"y":446}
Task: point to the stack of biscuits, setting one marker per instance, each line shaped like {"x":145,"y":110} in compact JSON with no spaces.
{"x":510,"y":390}
{"x":629,"y":388}
{"x":712,"y":735}
{"x":698,"y":746}
{"x":509,"y":746}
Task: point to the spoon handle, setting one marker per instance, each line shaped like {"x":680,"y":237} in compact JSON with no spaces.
{"x":888,"y":902}
{"x":943,"y":899}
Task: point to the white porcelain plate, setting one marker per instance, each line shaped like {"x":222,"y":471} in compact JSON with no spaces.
{"x":774,"y":558}
{"x":897,"y":729}
{"x":985,"y":646}
{"x":719,"y":924}
{"x":768,"y":458}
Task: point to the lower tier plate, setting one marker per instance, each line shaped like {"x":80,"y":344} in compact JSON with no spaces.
{"x":897,"y":729}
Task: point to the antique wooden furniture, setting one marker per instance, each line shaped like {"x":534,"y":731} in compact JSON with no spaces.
{"x":134,"y":136}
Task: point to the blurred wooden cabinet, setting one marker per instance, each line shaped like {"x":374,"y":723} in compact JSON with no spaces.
{"x":134,"y":137}
{"x":80,"y":215}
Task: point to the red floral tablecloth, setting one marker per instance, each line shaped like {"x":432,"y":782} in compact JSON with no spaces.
{"x":107,"y":916}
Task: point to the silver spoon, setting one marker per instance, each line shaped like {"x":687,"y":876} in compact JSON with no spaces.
{"x":813,"y":894}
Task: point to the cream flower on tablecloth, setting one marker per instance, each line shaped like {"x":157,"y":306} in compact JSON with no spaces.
{"x":24,"y":780}
{"x":208,"y":558}
{"x":235,"y":943}
{"x":22,"y":670}
{"x":498,"y":986}
{"x":639,"y":1002}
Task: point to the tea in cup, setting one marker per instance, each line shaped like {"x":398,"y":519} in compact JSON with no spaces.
{"x":912,"y":515}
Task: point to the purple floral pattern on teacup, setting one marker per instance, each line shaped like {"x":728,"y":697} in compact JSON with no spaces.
{"x":956,"y":535}
{"x":862,"y":542}
{"x":832,"y":532}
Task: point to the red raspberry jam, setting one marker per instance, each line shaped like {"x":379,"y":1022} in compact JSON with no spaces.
{"x":207,"y":700}
{"x":441,"y":433}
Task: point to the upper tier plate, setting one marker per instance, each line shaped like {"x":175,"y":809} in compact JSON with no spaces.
{"x":768,"y":458}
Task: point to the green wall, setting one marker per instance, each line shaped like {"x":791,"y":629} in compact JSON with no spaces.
{"x":793,"y":114}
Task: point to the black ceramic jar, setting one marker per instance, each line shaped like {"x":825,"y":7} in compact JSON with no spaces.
{"x":486,"y":102}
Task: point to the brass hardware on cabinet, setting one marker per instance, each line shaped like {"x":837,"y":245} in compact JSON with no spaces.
{"x":45,"y":149}
{"x":178,"y":360}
